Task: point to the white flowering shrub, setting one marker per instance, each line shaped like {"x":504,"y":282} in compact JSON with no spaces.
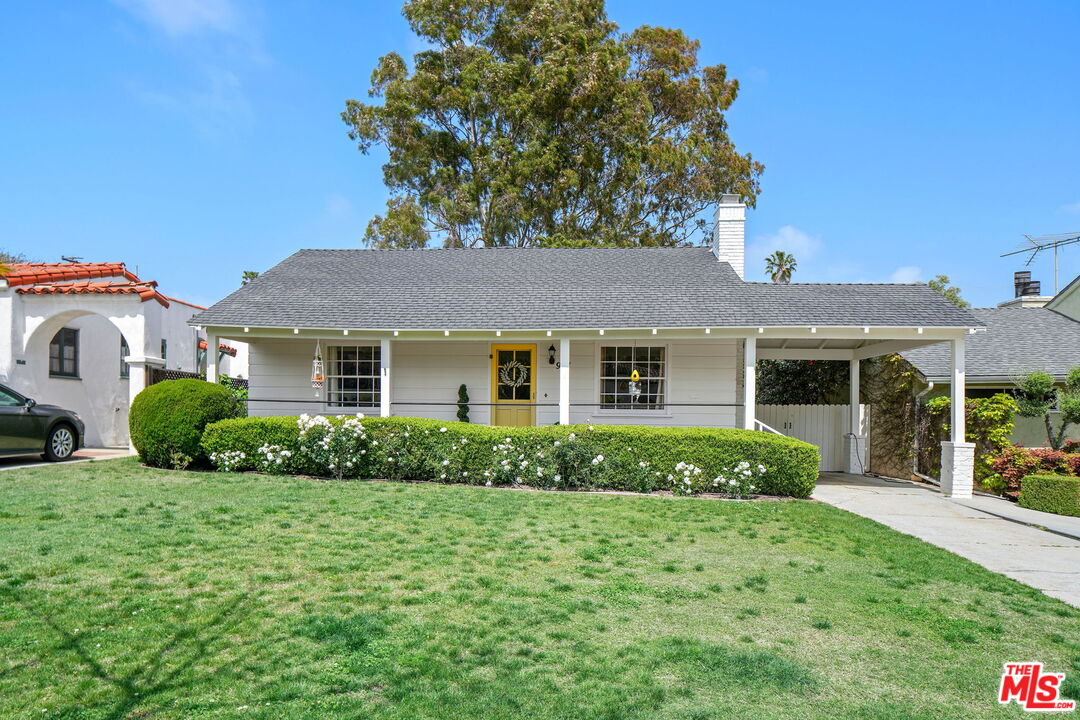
{"x":337,"y":449}
{"x":407,"y":453}
{"x":508,"y":466}
{"x":454,"y":466}
{"x":275,"y":459}
{"x":736,"y":482}
{"x":686,"y":480}
{"x":228,"y":460}
{"x":576,"y":462}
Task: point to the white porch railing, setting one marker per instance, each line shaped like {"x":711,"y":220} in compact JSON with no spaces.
{"x":758,"y":425}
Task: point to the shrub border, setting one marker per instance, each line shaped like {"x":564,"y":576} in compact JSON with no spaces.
{"x":792,"y":465}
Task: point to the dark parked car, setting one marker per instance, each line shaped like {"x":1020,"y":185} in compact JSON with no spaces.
{"x":28,"y":428}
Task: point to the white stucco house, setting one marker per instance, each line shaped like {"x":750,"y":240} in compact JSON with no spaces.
{"x":652,"y":336}
{"x":84,"y":336}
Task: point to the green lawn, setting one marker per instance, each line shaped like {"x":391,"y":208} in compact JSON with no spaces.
{"x":135,"y":593}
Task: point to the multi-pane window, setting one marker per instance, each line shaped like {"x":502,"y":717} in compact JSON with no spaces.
{"x":621,"y":389}
{"x":64,"y":353}
{"x":164,"y":348}
{"x":125,"y":369}
{"x":352,"y":376}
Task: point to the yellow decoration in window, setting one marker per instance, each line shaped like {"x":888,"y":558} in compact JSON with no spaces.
{"x":635,"y":376}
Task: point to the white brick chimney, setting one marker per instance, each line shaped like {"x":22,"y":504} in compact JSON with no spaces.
{"x":729,"y":233}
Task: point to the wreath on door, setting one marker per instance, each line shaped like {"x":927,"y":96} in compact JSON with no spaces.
{"x":513,"y":373}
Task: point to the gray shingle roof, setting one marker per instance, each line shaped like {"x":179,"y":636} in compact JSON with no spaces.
{"x":1016,"y":341}
{"x":554,"y":288}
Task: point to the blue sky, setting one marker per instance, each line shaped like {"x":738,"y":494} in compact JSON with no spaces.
{"x":195,"y":139}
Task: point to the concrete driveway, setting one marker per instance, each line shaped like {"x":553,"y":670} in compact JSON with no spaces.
{"x":83,"y":454}
{"x":1045,"y":560}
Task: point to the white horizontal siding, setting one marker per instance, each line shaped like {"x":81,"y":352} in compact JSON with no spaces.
{"x":699,"y":371}
{"x":425,"y":372}
{"x":281,"y":370}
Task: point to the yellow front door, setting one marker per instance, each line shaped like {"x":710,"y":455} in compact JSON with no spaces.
{"x":513,"y":384}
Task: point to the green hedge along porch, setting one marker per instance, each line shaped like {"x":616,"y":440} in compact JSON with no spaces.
{"x":613,"y":457}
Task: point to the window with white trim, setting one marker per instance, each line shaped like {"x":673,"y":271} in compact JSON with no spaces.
{"x":352,"y":376}
{"x":619,"y":390}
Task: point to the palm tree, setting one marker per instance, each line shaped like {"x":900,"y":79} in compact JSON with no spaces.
{"x":780,"y":265}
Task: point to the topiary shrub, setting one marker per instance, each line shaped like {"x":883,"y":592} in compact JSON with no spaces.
{"x":1058,"y":494}
{"x":166,"y":420}
{"x":617,"y":457}
{"x":463,"y":403}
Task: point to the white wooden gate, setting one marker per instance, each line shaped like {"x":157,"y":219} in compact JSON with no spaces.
{"x":826,"y":426}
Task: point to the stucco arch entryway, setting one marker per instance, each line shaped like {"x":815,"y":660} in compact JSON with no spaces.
{"x":101,"y":391}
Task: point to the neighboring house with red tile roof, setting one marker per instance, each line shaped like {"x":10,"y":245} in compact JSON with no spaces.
{"x":83,"y":335}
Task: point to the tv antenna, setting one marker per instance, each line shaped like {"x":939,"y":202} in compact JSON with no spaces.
{"x":1036,"y":245}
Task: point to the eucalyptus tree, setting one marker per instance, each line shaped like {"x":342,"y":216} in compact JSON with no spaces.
{"x":540,"y":123}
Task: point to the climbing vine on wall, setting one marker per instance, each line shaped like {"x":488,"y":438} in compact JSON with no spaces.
{"x":989,"y":425}
{"x":889,"y":387}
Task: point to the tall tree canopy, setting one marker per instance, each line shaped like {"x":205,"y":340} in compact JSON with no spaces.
{"x":941,"y":283}
{"x":540,"y":123}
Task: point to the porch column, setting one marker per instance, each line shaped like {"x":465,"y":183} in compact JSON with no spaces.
{"x":564,"y":381}
{"x":855,"y":440}
{"x":212,"y":352}
{"x":957,"y":455}
{"x":384,"y":377}
{"x":750,"y":382}
{"x":138,"y":378}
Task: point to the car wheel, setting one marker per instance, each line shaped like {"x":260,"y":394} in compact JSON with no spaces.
{"x":61,"y":443}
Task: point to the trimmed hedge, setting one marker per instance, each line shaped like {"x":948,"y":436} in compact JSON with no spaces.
{"x":1058,"y":494}
{"x":167,"y":419}
{"x":637,"y":458}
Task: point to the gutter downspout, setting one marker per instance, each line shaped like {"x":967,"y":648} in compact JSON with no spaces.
{"x":915,"y":459}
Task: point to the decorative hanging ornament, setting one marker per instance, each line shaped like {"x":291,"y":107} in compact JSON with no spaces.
{"x":635,"y":386}
{"x":317,"y":368}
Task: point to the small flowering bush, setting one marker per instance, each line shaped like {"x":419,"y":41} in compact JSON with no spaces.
{"x":734,"y":463}
{"x":737,"y":482}
{"x":275,"y":459}
{"x":228,"y":460}
{"x":338,"y":447}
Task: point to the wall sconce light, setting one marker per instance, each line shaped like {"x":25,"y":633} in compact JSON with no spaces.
{"x":551,"y":355}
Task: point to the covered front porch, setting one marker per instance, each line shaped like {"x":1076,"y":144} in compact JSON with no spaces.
{"x":656,"y":376}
